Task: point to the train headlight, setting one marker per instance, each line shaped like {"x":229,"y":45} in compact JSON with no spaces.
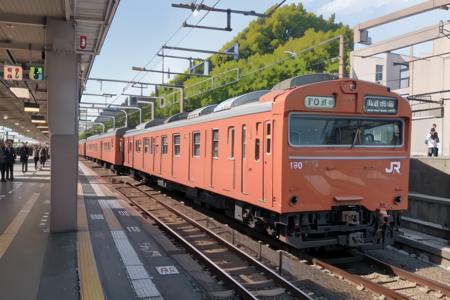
{"x":293,"y":200}
{"x":397,"y":200}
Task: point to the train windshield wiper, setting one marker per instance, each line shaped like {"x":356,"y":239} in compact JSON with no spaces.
{"x":355,"y":137}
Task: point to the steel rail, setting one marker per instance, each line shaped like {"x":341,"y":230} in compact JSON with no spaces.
{"x":379,"y":289}
{"x":295,"y":291}
{"x":434,"y":285}
{"x":241,"y":290}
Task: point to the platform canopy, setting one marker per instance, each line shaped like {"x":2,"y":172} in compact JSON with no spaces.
{"x":23,"y":49}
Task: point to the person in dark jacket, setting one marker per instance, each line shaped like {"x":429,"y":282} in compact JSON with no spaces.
{"x":2,"y":160}
{"x":23,"y":153}
{"x":36,"y":156}
{"x":43,"y":156}
{"x":10,"y":159}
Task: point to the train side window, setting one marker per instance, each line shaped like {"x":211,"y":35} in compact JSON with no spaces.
{"x":244,"y":140}
{"x":215,"y":143}
{"x":257,"y":141}
{"x":130,"y":146}
{"x":196,"y":144}
{"x":146,"y":145}
{"x":257,"y":146}
{"x":138,"y":145}
{"x":268,"y":138}
{"x":165,"y":145}
{"x":176,"y":144}
{"x":230,"y":141}
{"x":152,"y":145}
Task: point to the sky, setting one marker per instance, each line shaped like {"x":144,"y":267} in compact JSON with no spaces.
{"x":141,"y":27}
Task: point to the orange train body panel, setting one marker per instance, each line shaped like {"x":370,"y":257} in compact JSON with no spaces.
{"x":328,"y":175}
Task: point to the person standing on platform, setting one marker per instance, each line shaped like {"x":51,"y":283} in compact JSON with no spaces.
{"x":43,"y":156}
{"x":10,"y":159}
{"x":2,"y":160}
{"x":23,"y":152}
{"x":36,"y":156}
{"x":432,"y":141}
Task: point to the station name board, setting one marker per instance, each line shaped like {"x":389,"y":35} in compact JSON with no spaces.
{"x":380,"y":105}
{"x":320,"y":102}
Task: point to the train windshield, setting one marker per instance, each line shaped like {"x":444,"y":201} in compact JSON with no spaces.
{"x":344,"y":131}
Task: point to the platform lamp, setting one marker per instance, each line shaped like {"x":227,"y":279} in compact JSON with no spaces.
{"x":38,"y":119}
{"x":31,"y":107}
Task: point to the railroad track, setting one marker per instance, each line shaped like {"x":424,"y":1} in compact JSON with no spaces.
{"x":247,"y":276}
{"x":241,"y":272}
{"x":385,"y":279}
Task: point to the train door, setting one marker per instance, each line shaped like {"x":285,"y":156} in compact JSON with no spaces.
{"x":131,"y":150}
{"x":214,"y":155}
{"x":121,"y":151}
{"x":244,"y":166}
{"x":230,"y":163}
{"x":157,"y":155}
{"x":257,"y":172}
{"x":267,"y":157}
{"x":152,"y":153}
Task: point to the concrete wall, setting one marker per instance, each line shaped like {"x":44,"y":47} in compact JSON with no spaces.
{"x":430,"y":176}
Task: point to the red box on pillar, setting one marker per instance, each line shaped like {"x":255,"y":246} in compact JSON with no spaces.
{"x":83,"y":41}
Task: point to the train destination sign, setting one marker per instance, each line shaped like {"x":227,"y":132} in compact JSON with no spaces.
{"x":380,"y":105}
{"x":320,"y":102}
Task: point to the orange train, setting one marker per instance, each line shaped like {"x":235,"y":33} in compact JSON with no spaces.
{"x":314,"y":162}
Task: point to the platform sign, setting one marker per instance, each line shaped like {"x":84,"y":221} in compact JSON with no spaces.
{"x":11,"y":72}
{"x":167,"y":270}
{"x":83,"y":42}
{"x":36,"y":73}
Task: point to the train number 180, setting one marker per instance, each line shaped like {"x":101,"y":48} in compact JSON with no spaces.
{"x":296,"y":165}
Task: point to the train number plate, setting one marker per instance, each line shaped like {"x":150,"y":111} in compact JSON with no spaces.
{"x":320,"y":102}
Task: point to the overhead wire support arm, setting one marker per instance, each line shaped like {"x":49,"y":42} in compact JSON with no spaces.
{"x":198,"y":7}
{"x":196,"y":50}
{"x":168,"y":72}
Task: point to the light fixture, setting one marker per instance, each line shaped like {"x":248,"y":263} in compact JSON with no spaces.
{"x":42,"y":126}
{"x":31,"y":107}
{"x":44,"y":131}
{"x":5,"y":117}
{"x":38,"y":119}
{"x":28,"y":130}
{"x":17,"y":124}
{"x":20,"y":92}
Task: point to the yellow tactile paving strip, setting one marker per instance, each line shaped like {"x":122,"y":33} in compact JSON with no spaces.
{"x":9,"y":234}
{"x":90,"y":285}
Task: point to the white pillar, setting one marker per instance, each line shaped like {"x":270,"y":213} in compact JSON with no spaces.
{"x":62,"y":88}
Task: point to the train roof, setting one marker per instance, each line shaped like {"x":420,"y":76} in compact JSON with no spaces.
{"x":115,"y":132}
{"x":240,"y":100}
{"x":302,"y":80}
{"x":177,"y":117}
{"x":246,"y":109}
{"x":201,"y":111}
{"x":151,"y":123}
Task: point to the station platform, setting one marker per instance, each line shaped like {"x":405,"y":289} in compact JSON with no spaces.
{"x":115,"y":254}
{"x":428,"y":247}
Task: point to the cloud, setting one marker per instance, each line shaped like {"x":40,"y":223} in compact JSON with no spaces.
{"x":349,"y":7}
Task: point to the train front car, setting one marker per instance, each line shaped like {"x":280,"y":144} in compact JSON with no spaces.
{"x":345,"y":169}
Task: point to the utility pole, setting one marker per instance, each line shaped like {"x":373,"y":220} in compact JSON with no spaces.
{"x":181,"y":100}
{"x":341,"y":56}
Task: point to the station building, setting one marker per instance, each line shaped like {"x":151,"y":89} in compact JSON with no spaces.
{"x":424,"y":81}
